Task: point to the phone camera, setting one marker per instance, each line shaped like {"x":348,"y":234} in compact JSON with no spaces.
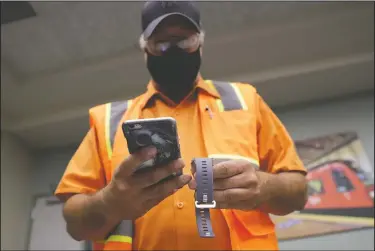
{"x":143,"y":139}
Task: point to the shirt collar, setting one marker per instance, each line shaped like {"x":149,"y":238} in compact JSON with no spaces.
{"x":202,"y":85}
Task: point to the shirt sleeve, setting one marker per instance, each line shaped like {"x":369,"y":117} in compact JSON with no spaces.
{"x":85,"y":172}
{"x":276,"y":149}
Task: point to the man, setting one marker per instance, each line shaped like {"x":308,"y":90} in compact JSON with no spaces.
{"x":263,"y":174}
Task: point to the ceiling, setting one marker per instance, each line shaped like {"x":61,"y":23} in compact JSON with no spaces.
{"x":73,"y":55}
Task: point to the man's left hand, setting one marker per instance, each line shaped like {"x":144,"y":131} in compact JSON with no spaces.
{"x":237,"y":185}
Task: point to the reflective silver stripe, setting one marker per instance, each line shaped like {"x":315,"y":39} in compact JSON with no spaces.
{"x":117,"y":111}
{"x":125,"y":228}
{"x":228,"y":96}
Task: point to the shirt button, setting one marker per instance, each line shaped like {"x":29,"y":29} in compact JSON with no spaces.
{"x":180,"y":204}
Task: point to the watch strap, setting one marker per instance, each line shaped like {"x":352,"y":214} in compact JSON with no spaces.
{"x":204,"y":196}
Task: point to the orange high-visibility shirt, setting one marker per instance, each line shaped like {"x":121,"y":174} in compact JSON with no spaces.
{"x":171,"y":225}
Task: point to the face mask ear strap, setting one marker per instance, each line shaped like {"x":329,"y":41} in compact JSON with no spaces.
{"x":142,"y":43}
{"x":201,"y":38}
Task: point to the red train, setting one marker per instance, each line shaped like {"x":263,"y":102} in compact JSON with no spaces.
{"x":337,"y":185}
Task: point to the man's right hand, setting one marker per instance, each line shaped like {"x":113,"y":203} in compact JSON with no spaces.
{"x":130,"y":195}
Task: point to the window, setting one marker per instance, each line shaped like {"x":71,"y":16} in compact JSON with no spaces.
{"x":315,"y":187}
{"x":365,"y":178}
{"x":342,"y":182}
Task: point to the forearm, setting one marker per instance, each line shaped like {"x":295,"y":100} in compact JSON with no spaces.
{"x":88,"y":218}
{"x":285,"y":192}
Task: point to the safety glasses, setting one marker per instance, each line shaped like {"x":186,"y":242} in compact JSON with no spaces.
{"x":157,"y":48}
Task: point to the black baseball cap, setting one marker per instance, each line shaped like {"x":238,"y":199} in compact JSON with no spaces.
{"x":154,"y":12}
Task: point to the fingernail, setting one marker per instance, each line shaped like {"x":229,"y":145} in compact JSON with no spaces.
{"x":181,"y":163}
{"x":185,"y":178}
{"x":150,"y":151}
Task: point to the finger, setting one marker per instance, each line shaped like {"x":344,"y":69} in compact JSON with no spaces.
{"x":193,"y":184}
{"x":162,"y":190}
{"x":241,"y":205}
{"x":243,"y":180}
{"x":156,"y":174}
{"x":227,"y":169}
{"x":134,"y":160}
{"x":193,"y":168}
{"x":230,"y":196}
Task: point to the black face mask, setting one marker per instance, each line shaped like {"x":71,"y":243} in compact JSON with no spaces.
{"x":175,"y":71}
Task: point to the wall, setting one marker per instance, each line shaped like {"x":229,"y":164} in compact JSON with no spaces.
{"x":16,"y":165}
{"x":356,"y":114}
{"x":49,"y":169}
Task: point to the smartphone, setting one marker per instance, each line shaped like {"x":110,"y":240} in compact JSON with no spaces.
{"x":158,"y":132}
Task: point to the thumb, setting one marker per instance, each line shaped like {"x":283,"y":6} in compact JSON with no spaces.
{"x":192,"y":184}
{"x":134,"y":160}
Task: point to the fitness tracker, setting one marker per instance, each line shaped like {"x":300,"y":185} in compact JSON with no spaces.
{"x":204,"y":196}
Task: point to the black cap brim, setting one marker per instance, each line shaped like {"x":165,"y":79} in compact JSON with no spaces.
{"x":152,"y":26}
